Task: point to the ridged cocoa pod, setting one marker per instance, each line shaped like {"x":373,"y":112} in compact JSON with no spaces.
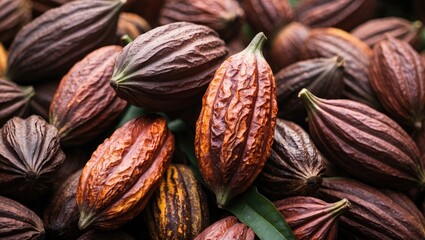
{"x":312,"y":218}
{"x":123,"y":173}
{"x":61,"y":214}
{"x":227,"y":228}
{"x":169,"y":67}
{"x":19,"y":222}
{"x":376,"y":30}
{"x":131,"y":24}
{"x":364,"y":142}
{"x":106,"y":235}
{"x":30,"y":155}
{"x":14,"y":14}
{"x":268,"y":15}
{"x":406,"y":203}
{"x":41,"y":6}
{"x":372,"y":215}
{"x":344,"y":14}
{"x":288,"y":44}
{"x":14,"y":100}
{"x":44,"y":93}
{"x":85,"y":105}
{"x":3,"y":60}
{"x":53,"y":42}
{"x":234,"y":132}
{"x":330,"y":42}
{"x":178,"y":209}
{"x":397,"y":76}
{"x":321,"y":76}
{"x":224,"y":16}
{"x":294,"y":167}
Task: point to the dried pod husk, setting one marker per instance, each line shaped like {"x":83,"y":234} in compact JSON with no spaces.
{"x":344,"y":14}
{"x":30,"y":155}
{"x":124,"y":172}
{"x":61,"y":215}
{"x":41,"y":6}
{"x":312,"y":218}
{"x":132,"y":25}
{"x":376,"y":30}
{"x":227,"y":228}
{"x":178,"y":209}
{"x":322,"y":76}
{"x":44,"y":93}
{"x":294,"y":166}
{"x":169,"y":67}
{"x":288,"y":44}
{"x":268,"y":15}
{"x":364,"y":142}
{"x":14,"y":100}
{"x":234,"y":132}
{"x":398,"y":78}
{"x":105,"y":235}
{"x":14,"y":14}
{"x":330,"y":42}
{"x":19,"y":222}
{"x":85,"y":105}
{"x":373,"y":214}
{"x":223,"y":16}
{"x":3,"y":60}
{"x":52,"y":43}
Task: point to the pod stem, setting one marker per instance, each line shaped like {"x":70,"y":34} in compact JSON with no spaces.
{"x":341,"y":206}
{"x":309,"y":100}
{"x":257,"y":43}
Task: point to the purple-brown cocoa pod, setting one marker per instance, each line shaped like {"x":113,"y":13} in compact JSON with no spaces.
{"x":41,"y":6}
{"x":14,"y":100}
{"x":227,"y":228}
{"x":14,"y":14}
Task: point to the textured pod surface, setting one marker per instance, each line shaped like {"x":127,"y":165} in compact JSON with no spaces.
{"x":3,"y":60}
{"x":224,"y":16}
{"x":364,"y":142}
{"x":234,"y":131}
{"x":373,"y":215}
{"x":131,"y":24}
{"x":123,"y":173}
{"x":84,"y":105}
{"x":294,"y":166}
{"x":312,"y":218}
{"x":41,"y":6}
{"x":344,"y":14}
{"x":330,"y":42}
{"x":30,"y":155}
{"x":105,"y":235}
{"x":53,"y":42}
{"x":322,"y":76}
{"x":14,"y":100}
{"x":168,"y":67}
{"x":398,"y":78}
{"x":227,"y":228}
{"x":376,"y":30}
{"x":19,"y":222}
{"x":14,"y":14}
{"x":178,"y":209}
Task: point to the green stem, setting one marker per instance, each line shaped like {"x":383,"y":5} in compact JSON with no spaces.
{"x":257,"y":43}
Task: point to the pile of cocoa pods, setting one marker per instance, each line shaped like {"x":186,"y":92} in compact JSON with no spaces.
{"x":150,"y":119}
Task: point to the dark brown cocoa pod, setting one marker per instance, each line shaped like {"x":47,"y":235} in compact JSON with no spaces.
{"x":169,"y":67}
{"x":322,"y":76}
{"x":372,"y":215}
{"x":14,"y":14}
{"x":268,"y":15}
{"x":107,"y":235}
{"x":3,"y":60}
{"x":364,"y":142}
{"x":41,"y":6}
{"x":148,"y":9}
{"x":294,"y":166}
{"x":30,"y":155}
{"x":14,"y":100}
{"x":405,"y":202}
{"x":227,"y":228}
{"x":19,"y":222}
{"x":53,"y":42}
{"x":132,"y":25}
{"x":344,"y":14}
{"x":44,"y":93}
{"x":75,"y":160}
{"x":223,"y":16}
{"x":312,"y":218}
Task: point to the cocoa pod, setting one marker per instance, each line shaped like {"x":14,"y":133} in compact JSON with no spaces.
{"x":30,"y":155}
{"x":364,"y":142}
{"x":234,"y":131}
{"x":148,"y":9}
{"x":227,"y":228}
{"x":106,"y":235}
{"x":75,"y":160}
{"x":178,"y":209}
{"x":19,"y":222}
{"x":131,"y":24}
{"x":53,"y":42}
{"x":123,"y":173}
{"x":312,"y":218}
{"x":294,"y":166}
{"x":14,"y":100}
{"x":168,"y":67}
{"x":376,"y":30}
{"x":397,"y":76}
{"x":41,"y":6}
{"x":3,"y":60}
{"x":84,"y":105}
{"x":322,"y":76}
{"x":14,"y":14}
{"x":224,"y":16}
{"x":344,"y":14}
{"x":330,"y":42}
{"x":372,"y":215}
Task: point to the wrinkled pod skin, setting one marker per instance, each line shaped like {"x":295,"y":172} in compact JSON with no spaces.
{"x":14,"y":14}
{"x":234,"y":131}
{"x":123,"y":173}
{"x":227,"y":228}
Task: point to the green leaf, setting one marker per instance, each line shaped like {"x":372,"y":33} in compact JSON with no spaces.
{"x":293,"y":2}
{"x":131,"y":113}
{"x":258,"y":213}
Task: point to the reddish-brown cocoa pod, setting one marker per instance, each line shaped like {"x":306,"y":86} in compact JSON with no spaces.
{"x":14,"y":100}
{"x":105,"y":235}
{"x":14,"y":14}
{"x":227,"y":228}
{"x":132,"y":25}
